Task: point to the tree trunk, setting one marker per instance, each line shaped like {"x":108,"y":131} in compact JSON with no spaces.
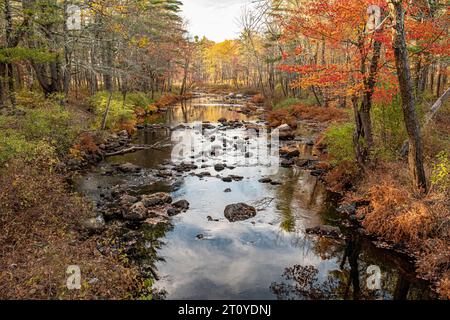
{"x":362,"y":114}
{"x":105,"y":115}
{"x":416,"y":166}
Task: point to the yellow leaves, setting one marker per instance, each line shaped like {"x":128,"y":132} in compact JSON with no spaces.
{"x":141,"y":42}
{"x":355,"y":90}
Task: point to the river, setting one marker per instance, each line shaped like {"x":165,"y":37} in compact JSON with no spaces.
{"x":204,"y":256}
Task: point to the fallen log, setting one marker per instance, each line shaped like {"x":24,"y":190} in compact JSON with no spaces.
{"x":428,"y":117}
{"x":135,"y":148}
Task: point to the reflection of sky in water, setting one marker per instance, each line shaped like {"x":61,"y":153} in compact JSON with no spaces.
{"x":235,"y":260}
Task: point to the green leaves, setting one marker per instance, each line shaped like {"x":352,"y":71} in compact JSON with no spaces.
{"x":17,"y":54}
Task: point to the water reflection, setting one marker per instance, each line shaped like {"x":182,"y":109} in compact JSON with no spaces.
{"x":267,"y":257}
{"x":349,"y":281}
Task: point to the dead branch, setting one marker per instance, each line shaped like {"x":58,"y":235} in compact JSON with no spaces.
{"x":428,"y":117}
{"x":135,"y":148}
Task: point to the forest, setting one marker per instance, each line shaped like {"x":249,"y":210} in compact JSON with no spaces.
{"x":92,"y":92}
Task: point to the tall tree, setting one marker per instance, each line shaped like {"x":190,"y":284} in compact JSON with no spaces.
{"x":416,"y":166}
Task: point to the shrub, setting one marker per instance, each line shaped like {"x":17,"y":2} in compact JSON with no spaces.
{"x":14,"y":144}
{"x":44,"y":131}
{"x":258,"y":98}
{"x":51,"y":124}
{"x":119,"y":110}
{"x":342,"y":177}
{"x":388,"y":128}
{"x":339,"y":140}
{"x":279,"y":117}
{"x":320,"y":114}
{"x":440,"y":176}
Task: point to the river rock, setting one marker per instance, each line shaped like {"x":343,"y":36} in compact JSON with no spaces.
{"x":137,"y":212}
{"x":265,"y":180}
{"x":286,"y":132}
{"x":290,"y":152}
{"x":286,"y":163}
{"x":222,"y":120}
{"x":239,"y":212}
{"x":173,"y":212}
{"x":128,"y":168}
{"x":93,"y":225}
{"x":127,"y":200}
{"x":347,"y":209}
{"x":186,"y":167}
{"x":156,"y":199}
{"x":183,"y":205}
{"x":219,"y":167}
{"x":325,"y":230}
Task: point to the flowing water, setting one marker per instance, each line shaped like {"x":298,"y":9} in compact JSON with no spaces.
{"x":204,"y":256}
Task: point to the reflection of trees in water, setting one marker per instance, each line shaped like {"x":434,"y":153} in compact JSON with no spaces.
{"x":347,"y":282}
{"x":299,"y":193}
{"x":197,"y":109}
{"x":303,"y":284}
{"x":140,"y":247}
{"x":285,"y":193}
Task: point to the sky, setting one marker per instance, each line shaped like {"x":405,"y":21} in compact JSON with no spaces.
{"x":215,"y":19}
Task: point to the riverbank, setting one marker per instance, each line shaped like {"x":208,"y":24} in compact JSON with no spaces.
{"x":46,"y":226}
{"x":379,"y":201}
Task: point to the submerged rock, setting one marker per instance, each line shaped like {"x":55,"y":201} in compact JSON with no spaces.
{"x":239,"y":212}
{"x":128,"y":168}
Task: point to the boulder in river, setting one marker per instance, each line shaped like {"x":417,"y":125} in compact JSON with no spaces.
{"x":183,"y":205}
{"x":290,"y":151}
{"x":156,"y":199}
{"x":219,"y":167}
{"x":239,"y":212}
{"x":285,"y":132}
{"x":222,"y":120}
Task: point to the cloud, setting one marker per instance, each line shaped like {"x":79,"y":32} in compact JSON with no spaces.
{"x":214,"y":19}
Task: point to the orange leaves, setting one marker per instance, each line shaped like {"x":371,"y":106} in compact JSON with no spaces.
{"x":317,"y":75}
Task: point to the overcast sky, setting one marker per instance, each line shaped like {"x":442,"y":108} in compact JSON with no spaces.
{"x":215,"y":19}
